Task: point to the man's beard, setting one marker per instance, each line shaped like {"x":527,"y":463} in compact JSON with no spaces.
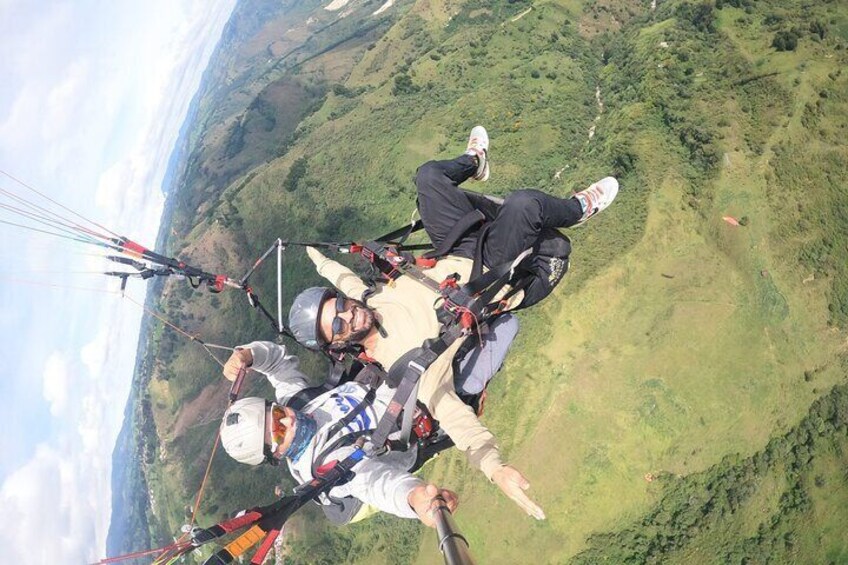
{"x":359,"y":334}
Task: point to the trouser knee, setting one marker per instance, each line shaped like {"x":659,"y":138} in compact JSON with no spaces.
{"x":428,"y":175}
{"x":523,"y":205}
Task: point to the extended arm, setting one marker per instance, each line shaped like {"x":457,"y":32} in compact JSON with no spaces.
{"x":469,"y":435}
{"x":456,"y":418}
{"x":270,"y":359}
{"x":337,"y":274}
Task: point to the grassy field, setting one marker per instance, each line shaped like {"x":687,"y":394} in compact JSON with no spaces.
{"x":645,"y":376}
{"x":679,"y":346}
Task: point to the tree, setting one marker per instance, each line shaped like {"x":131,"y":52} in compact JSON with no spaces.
{"x":699,"y":16}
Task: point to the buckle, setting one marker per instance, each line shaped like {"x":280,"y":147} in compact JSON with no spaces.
{"x":419,"y":368}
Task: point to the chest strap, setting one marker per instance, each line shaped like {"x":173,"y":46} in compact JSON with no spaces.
{"x":407,"y":373}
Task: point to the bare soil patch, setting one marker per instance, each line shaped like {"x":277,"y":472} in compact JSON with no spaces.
{"x":202,"y":410}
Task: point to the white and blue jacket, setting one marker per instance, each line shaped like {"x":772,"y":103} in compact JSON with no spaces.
{"x":381,"y":482}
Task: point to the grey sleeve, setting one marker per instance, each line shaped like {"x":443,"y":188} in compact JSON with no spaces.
{"x":381,"y":485}
{"x":281,"y":370}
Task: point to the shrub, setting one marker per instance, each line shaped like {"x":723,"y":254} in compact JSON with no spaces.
{"x":785,"y":41}
{"x":296,"y":173}
{"x":342,"y":90}
{"x":818,"y":28}
{"x":623,"y":160}
{"x":772,"y":19}
{"x":404,"y":85}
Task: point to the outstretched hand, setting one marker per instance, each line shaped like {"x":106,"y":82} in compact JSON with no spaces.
{"x":239,"y":360}
{"x":513,"y":484}
{"x":316,"y":256}
{"x":422,"y":500}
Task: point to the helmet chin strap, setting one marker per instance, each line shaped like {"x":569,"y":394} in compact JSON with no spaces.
{"x":380,"y":329}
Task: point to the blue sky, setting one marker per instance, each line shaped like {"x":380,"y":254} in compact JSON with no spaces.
{"x":92,"y":98}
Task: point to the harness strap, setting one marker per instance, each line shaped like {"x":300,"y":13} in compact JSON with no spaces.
{"x":268,"y":520}
{"x":334,"y":376}
{"x":408,"y":415}
{"x":328,"y":480}
{"x":393,"y":265}
{"x":490,"y":282}
{"x":403,"y":233}
{"x":318,"y":467}
{"x":408,"y":384}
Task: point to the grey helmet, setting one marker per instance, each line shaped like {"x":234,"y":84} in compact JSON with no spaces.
{"x":304,"y":319}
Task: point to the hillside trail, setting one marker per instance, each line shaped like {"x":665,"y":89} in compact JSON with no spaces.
{"x":521,"y":15}
{"x":600,"y":104}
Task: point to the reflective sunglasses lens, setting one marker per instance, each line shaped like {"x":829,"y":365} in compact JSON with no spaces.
{"x":340,"y":304}
{"x":338,"y":326}
{"x":278,"y":430}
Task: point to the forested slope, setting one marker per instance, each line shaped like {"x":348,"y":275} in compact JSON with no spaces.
{"x":681,"y":396}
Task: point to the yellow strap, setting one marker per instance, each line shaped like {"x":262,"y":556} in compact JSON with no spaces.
{"x":245,"y":541}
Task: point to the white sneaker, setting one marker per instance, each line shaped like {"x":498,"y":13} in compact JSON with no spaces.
{"x":478,"y":146}
{"x":597,"y":197}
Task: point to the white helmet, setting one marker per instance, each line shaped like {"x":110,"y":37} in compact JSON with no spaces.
{"x":243,"y":430}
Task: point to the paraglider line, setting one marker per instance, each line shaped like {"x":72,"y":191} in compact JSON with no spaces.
{"x":25,"y":185}
{"x":181,"y":331}
{"x":72,"y":238}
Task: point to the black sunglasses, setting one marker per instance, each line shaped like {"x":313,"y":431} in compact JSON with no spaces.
{"x":339,"y":324}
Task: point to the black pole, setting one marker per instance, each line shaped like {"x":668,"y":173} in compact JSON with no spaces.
{"x":452,"y":544}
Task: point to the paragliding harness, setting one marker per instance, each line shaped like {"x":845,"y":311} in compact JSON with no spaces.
{"x":265,"y":523}
{"x":464,"y":310}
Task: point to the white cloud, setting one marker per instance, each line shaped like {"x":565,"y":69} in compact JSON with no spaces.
{"x":65,"y":487}
{"x":48,"y":496}
{"x":55,"y":383}
{"x":111,"y":197}
{"x":94,"y":354}
{"x":25,"y":50}
{"x":60,"y":102}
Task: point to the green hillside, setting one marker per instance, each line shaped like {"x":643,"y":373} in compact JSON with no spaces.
{"x":682,"y":396}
